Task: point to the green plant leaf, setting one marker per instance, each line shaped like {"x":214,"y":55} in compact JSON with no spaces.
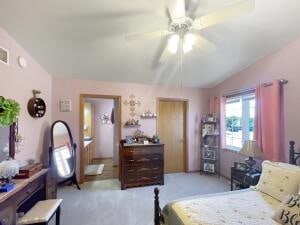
{"x":9,"y":112}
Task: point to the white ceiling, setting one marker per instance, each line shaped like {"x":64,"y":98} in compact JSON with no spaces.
{"x":85,"y":39}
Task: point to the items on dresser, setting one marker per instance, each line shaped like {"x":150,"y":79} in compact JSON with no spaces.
{"x":210,"y":144}
{"x":141,"y":164}
{"x":29,"y":170}
{"x":8,"y":169}
{"x":24,"y":196}
{"x":63,"y":153}
{"x":242,"y":177}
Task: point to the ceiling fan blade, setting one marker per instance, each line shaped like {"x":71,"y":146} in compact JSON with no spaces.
{"x":223,"y":15}
{"x":176,"y":9}
{"x":164,"y":55}
{"x":203,"y":44}
{"x":191,"y":7}
{"x":146,"y":35}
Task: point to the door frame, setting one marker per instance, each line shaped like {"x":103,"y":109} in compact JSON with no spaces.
{"x":185,"y":125}
{"x":81,"y":123}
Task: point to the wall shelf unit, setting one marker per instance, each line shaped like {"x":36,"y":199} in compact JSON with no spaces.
{"x":132,"y":126}
{"x":210,"y":145}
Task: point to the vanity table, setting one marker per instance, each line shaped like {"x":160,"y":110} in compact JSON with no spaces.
{"x":27,"y":193}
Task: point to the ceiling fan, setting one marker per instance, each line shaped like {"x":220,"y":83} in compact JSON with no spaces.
{"x":183,"y":27}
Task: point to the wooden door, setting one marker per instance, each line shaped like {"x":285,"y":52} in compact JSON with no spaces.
{"x":171,"y":131}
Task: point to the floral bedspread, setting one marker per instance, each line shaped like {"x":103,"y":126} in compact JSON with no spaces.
{"x":246,"y":207}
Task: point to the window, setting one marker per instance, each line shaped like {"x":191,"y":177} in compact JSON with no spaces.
{"x":239,"y":113}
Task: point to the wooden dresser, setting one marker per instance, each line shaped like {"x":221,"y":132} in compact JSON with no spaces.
{"x":26,"y":193}
{"x":141,"y":164}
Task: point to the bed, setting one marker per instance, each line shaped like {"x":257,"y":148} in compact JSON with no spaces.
{"x":243,"y":207}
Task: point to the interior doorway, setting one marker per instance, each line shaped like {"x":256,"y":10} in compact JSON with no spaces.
{"x":100,"y":132}
{"x":172,"y":130}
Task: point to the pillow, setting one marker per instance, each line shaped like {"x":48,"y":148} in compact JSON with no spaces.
{"x":289,"y":211}
{"x":278,"y":179}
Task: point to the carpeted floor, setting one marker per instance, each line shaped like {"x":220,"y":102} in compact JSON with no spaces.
{"x":103,"y":203}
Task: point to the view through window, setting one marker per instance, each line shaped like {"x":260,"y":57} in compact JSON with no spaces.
{"x":239,"y":113}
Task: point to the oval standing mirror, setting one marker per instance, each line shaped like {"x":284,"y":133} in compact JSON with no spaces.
{"x":63,"y":152}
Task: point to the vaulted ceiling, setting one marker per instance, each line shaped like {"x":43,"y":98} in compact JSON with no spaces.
{"x":85,"y":39}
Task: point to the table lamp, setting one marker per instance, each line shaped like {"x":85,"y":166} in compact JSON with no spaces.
{"x":251,"y":149}
{"x":8,"y":169}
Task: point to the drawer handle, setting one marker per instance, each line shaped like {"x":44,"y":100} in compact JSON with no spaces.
{"x":155,"y":177}
{"x":144,"y":160}
{"x":155,"y":168}
{"x":144,"y":169}
{"x":131,"y":170}
{"x":156,"y":158}
{"x":143,"y":178}
{"x":28,"y":191}
{"x":131,"y":160}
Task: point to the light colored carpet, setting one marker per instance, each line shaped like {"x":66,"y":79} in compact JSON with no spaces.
{"x":94,"y":169}
{"x":103,"y":203}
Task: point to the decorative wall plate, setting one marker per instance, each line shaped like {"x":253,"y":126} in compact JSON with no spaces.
{"x":36,"y":106}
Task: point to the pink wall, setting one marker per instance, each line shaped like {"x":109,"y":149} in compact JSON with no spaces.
{"x":283,"y":64}
{"x":147,"y":94}
{"x":18,"y":83}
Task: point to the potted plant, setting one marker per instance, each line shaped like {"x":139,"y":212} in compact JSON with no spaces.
{"x":9,"y":111}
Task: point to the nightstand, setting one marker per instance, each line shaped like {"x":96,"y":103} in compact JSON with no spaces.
{"x":241,"y":179}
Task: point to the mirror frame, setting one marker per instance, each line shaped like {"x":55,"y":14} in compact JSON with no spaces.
{"x":73,"y":152}
{"x":12,"y":140}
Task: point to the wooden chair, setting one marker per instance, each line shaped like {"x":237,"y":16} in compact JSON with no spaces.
{"x":42,"y":212}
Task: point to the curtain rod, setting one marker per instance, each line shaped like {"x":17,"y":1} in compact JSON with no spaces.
{"x":249,"y":90}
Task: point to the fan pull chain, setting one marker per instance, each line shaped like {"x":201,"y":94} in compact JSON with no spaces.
{"x":181,"y":59}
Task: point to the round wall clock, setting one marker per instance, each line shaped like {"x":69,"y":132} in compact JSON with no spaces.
{"x":22,"y":62}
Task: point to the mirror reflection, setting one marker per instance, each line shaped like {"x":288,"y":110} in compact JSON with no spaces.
{"x":4,"y":143}
{"x":62,"y":151}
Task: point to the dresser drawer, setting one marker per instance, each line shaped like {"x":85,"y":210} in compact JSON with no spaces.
{"x":143,"y":168}
{"x":7,"y":213}
{"x":141,"y":159}
{"x":29,"y":190}
{"x":147,"y":178}
{"x":142,"y":151}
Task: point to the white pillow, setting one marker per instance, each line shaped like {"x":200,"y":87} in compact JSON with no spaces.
{"x":279,"y":179}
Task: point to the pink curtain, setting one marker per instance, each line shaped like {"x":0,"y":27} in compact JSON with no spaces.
{"x":214,"y":105}
{"x":217,"y":106}
{"x":269,"y":129}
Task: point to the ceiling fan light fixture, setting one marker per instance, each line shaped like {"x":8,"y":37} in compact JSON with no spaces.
{"x":173,"y":43}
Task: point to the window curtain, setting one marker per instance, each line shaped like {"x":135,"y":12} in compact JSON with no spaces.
{"x":269,"y":127}
{"x":217,"y":106}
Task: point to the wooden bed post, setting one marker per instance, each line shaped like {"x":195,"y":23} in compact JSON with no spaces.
{"x":157,"y":210}
{"x":292,"y":152}
{"x":156,"y":207}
